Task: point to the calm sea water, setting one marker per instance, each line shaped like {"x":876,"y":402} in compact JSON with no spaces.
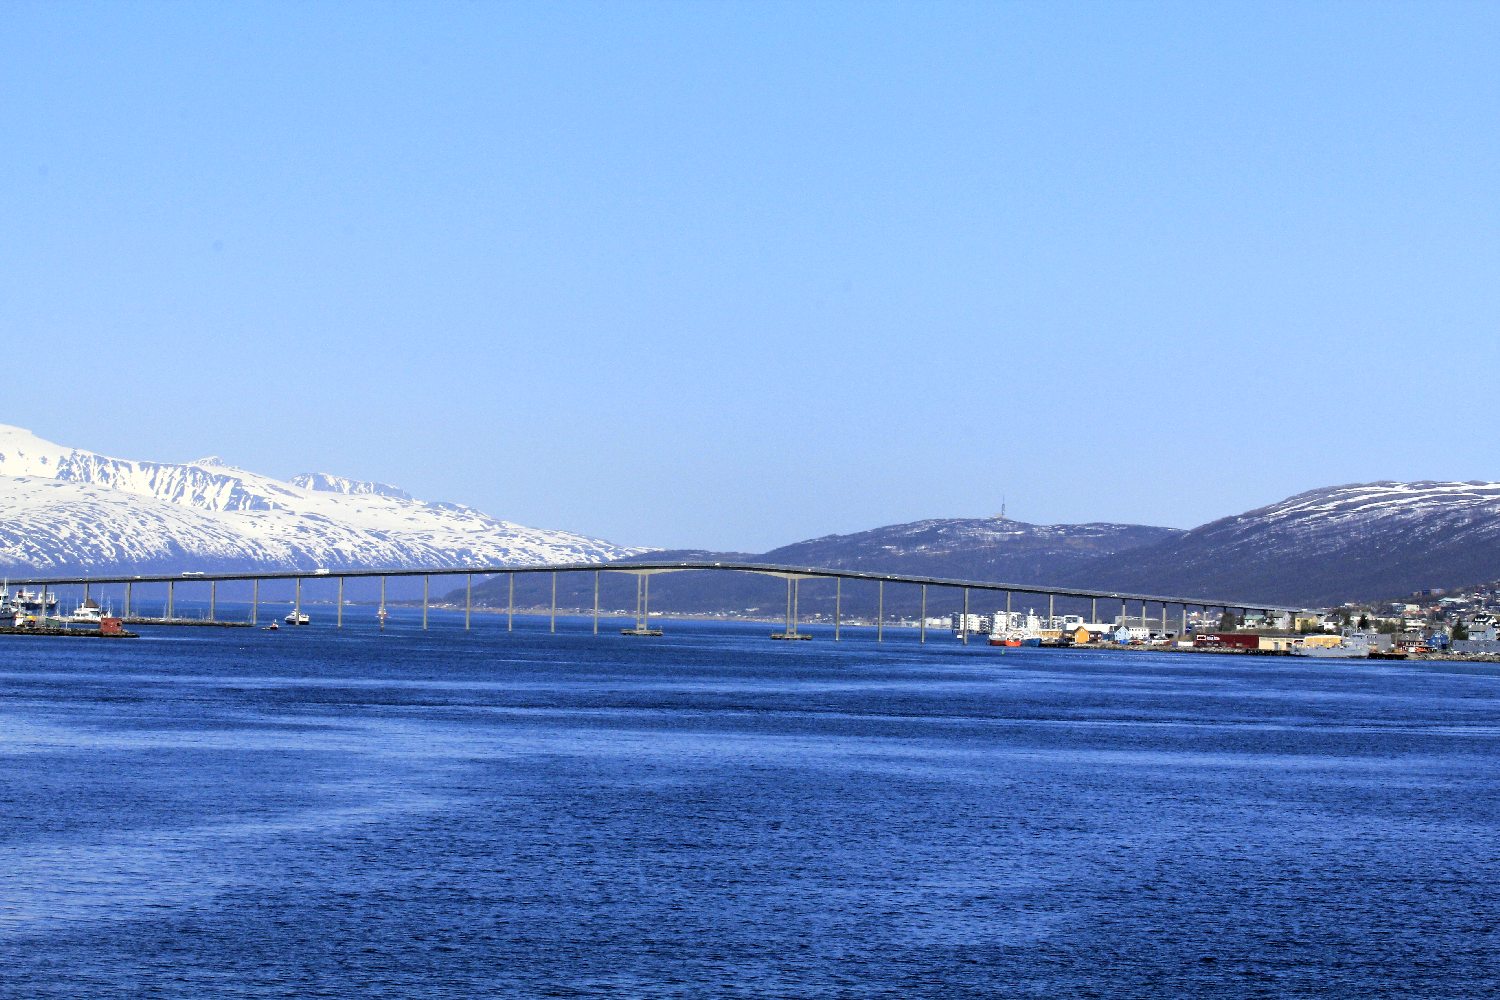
{"x":239,"y":813}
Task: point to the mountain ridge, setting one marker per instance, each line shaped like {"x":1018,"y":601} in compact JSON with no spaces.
{"x":72,"y":510}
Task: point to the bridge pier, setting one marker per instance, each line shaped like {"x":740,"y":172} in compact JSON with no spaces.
{"x":838,"y":606}
{"x":468,"y":599}
{"x":338,"y":620}
{"x":381,"y":614}
{"x":213,"y":599}
{"x":171,"y":603}
{"x":966,"y":617}
{"x":554,"y":601}
{"x":642,"y":608}
{"x":922,"y":628}
{"x":880,"y":612}
{"x":254,"y":602}
{"x":127,"y":599}
{"x":596,"y":602}
{"x":426,"y":589}
{"x":510,"y":608}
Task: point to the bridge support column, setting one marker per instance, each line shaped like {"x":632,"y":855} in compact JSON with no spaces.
{"x":596,"y":602}
{"x":646,"y":601}
{"x":426,"y":586}
{"x":213,"y":599}
{"x":796,"y":603}
{"x":1052,"y":611}
{"x":1182,"y":633}
{"x":880,"y":611}
{"x":922,"y":628}
{"x":838,"y":605}
{"x":468,"y":599}
{"x":1093,"y":611}
{"x":339,"y":618}
{"x":381,"y":614}
{"x":554,"y":601}
{"x":127,"y":599}
{"x":298,"y":607}
{"x":966,"y":616}
{"x":171,"y":599}
{"x":1163,"y":619}
{"x":254,"y":602}
{"x":1124,"y":614}
{"x":510,"y":608}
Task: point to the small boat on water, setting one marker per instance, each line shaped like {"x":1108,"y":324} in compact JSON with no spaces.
{"x":273,"y":627}
{"x":297,"y":618}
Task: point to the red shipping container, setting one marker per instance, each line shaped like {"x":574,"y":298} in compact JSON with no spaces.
{"x":1228,"y":640}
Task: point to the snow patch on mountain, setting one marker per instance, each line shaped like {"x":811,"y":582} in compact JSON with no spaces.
{"x":324,"y":483}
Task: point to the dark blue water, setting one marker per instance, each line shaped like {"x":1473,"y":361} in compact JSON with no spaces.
{"x":213,"y":813}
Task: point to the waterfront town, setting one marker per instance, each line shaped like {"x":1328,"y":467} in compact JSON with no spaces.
{"x":1430,"y":622}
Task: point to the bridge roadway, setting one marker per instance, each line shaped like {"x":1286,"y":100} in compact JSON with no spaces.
{"x":644,"y":570}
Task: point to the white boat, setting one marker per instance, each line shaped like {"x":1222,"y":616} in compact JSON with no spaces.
{"x":87,"y":613}
{"x":297,"y":618}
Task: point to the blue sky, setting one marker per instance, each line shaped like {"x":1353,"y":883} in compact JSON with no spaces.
{"x":729,"y":275}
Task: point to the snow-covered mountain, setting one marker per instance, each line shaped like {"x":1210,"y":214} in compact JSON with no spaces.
{"x":65,"y":510}
{"x":1353,"y":542}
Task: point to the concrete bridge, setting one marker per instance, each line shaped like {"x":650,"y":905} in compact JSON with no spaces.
{"x":643,"y":571}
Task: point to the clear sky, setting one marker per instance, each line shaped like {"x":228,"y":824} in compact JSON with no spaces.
{"x":730,"y":275}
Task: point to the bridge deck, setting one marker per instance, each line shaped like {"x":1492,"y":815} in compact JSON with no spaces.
{"x":772,"y":569}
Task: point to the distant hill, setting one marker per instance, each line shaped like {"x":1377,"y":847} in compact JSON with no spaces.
{"x":964,"y":548}
{"x":1353,"y":542}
